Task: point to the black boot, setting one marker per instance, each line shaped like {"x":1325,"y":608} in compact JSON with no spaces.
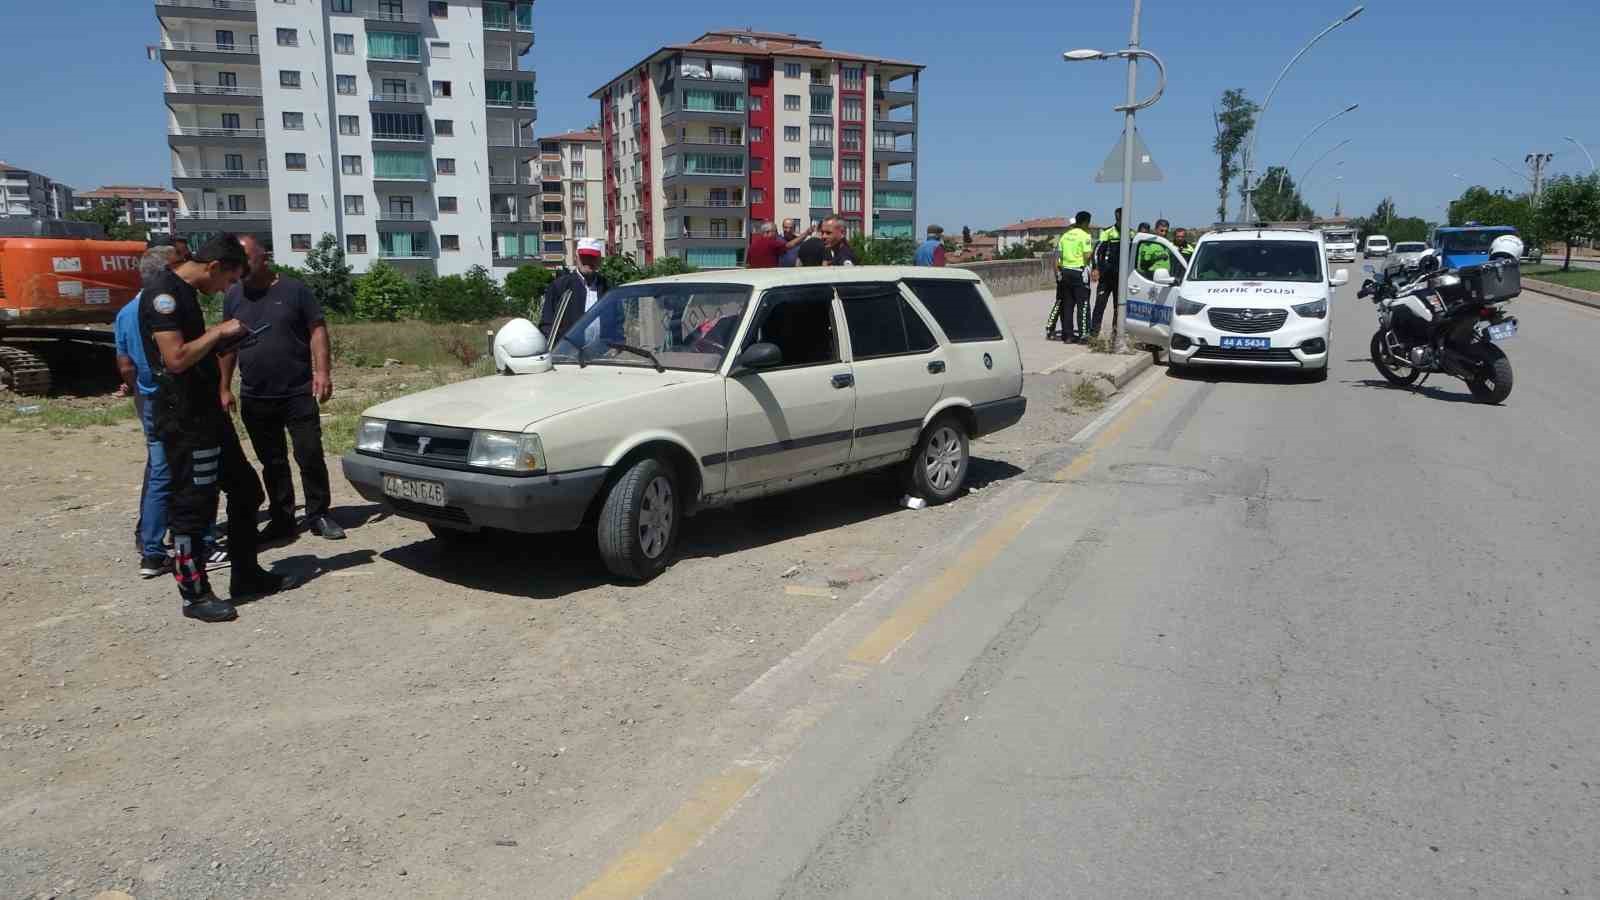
{"x":248,"y":585}
{"x":210,"y":608}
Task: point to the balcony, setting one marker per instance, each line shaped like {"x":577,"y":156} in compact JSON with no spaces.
{"x":895,"y":99}
{"x":214,"y":94}
{"x":710,"y":203}
{"x":193,"y":136}
{"x":895,"y":126}
{"x":706,"y":140}
{"x":398,"y":140}
{"x":410,"y":98}
{"x":729,"y":238}
{"x":502,"y":179}
{"x":894,"y":184}
{"x":892,"y":153}
{"x":200,"y":51}
{"x":389,"y":20}
{"x":502,"y":217}
{"x":509,"y":141}
{"x":230,"y":219}
{"x":212,"y":178}
{"x":713,"y":115}
{"x":214,"y":10}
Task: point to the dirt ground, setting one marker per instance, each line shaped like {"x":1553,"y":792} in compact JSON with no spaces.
{"x":409,"y":722}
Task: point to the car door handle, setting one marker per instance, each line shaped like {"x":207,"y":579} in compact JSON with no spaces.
{"x":843,"y":380}
{"x":935,"y":367}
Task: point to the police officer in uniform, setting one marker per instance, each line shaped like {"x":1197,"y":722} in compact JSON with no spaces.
{"x":1076,"y":248}
{"x":203,"y":452}
{"x":1107,"y":267}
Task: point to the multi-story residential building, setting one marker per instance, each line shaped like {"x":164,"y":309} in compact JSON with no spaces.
{"x":150,"y":206}
{"x":572,"y":201}
{"x":395,"y":125}
{"x":26,"y":193}
{"x":706,"y":140}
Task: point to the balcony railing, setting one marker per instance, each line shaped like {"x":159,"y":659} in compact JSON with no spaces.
{"x":713,"y":140}
{"x":223,"y":215}
{"x":395,"y":215}
{"x":397,"y":97}
{"x":198,"y":131}
{"x":502,"y":217}
{"x":502,"y":179}
{"x":408,"y":136}
{"x":202,"y":47}
{"x":235,"y":5}
{"x":500,"y":65}
{"x":498,"y":103}
{"x":704,"y":234}
{"x":382,"y":15}
{"x":246,"y":174}
{"x":501,"y":140}
{"x":221,"y":90}
{"x":709,"y":203}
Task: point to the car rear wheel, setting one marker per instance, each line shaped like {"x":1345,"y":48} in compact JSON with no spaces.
{"x":938,"y":466}
{"x":639,"y":521}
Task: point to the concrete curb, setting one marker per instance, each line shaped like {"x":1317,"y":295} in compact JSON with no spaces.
{"x":1562,"y":292}
{"x":1119,"y":370}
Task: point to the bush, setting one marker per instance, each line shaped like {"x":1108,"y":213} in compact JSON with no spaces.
{"x":525,"y":289}
{"x":881,"y":251}
{"x":328,"y":275}
{"x":383,"y":294}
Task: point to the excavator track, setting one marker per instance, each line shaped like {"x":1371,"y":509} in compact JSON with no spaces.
{"x":23,"y":371}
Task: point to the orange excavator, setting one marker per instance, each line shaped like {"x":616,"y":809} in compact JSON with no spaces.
{"x":50,"y":288}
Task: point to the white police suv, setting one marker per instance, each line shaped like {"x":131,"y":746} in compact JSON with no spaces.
{"x":1249,"y":296}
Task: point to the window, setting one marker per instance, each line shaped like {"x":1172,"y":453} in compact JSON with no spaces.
{"x":355,"y":205}
{"x":441,"y":88}
{"x":580,"y":191}
{"x":818,"y":75}
{"x":401,"y":207}
{"x":392,"y":45}
{"x":849,"y":169}
{"x":350,"y":165}
{"x":300,"y":242}
{"x":822,"y":133}
{"x":822,"y":167}
{"x":881,"y":323}
{"x":755,"y":104}
{"x":800,"y":321}
{"x":822,"y":198}
{"x":439,"y":49}
{"x":345,"y":84}
{"x":227,"y":79}
{"x":230,"y":121}
{"x":224,"y":40}
{"x":821,"y":104}
{"x":791,"y":195}
{"x":344,"y":43}
{"x":757,"y":164}
{"x":236,"y":203}
{"x":444,"y":127}
{"x":450,"y":243}
{"x":349,"y":124}
{"x":791,"y":164}
{"x":288,"y":37}
{"x":446,"y":165}
{"x":791,"y":134}
{"x":850,"y":109}
{"x":447,"y":204}
{"x":758,"y":196}
{"x":294,"y":162}
{"x":791,"y":102}
{"x":289,"y":78}
{"x":300,"y":202}
{"x":850,"y":138}
{"x":849,"y":200}
{"x":893,"y":200}
{"x":397,"y":165}
{"x":438,"y":9}
{"x":850,"y":78}
{"x":293,"y":121}
{"x":342,"y":6}
{"x":958,"y":308}
{"x":580,"y":228}
{"x":791,"y":70}
{"x":1268,"y":260}
{"x":757,"y":135}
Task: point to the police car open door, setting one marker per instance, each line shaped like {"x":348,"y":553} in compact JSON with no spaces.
{"x":1149,"y":304}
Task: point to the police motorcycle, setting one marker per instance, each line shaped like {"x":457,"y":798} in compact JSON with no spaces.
{"x":1435,"y":319}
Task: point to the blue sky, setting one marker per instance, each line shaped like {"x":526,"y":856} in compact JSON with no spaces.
{"x":1008,"y":130}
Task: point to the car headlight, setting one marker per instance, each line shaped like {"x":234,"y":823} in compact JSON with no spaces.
{"x":1188,"y":307}
{"x":370,"y":434}
{"x":509,"y":450}
{"x":1316,"y":309}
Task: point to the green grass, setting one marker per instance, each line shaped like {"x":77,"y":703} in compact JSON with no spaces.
{"x":1583,"y":279}
{"x":368,"y":344}
{"x":58,"y":414}
{"x":343,"y":412}
{"x":1086,"y":395}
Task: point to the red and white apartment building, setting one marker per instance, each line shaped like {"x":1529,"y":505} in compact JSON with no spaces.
{"x":704,"y":141}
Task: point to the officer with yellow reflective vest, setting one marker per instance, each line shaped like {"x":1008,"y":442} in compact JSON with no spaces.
{"x":1153,"y":255}
{"x":1076,"y":250}
{"x":1107,"y":265}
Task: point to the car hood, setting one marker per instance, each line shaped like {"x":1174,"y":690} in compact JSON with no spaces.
{"x":513,"y":402}
{"x":1253,"y":293}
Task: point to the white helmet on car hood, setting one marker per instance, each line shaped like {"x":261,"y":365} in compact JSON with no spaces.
{"x":1506,"y":245}
{"x":520,"y":348}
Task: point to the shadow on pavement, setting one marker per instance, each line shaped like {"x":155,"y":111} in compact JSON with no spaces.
{"x":1237,"y":375}
{"x":548,"y":566}
{"x":1427,"y":390}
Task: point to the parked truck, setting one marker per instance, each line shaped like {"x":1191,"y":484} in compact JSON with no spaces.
{"x":55,"y":290}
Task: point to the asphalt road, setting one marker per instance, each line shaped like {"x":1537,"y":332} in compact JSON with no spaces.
{"x":1254,"y":638}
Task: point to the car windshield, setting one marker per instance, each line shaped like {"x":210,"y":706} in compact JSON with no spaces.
{"x":685,"y":326}
{"x":1257,"y":261}
{"x":1410,"y":247}
{"x":1476,"y":240}
{"x":1338,"y":237}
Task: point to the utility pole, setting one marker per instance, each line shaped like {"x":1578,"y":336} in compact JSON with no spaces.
{"x":1538,"y":161}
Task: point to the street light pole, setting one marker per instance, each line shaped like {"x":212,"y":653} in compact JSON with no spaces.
{"x":1329,"y":152}
{"x":1286,"y":166}
{"x":1250,"y":149}
{"x":1585,"y":152}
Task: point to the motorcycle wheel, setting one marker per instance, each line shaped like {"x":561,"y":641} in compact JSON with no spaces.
{"x":1381,"y":359}
{"x":1494,"y":385}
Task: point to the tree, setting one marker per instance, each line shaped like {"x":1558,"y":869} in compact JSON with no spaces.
{"x":329,"y":276}
{"x":1569,"y":211}
{"x":620,"y":270}
{"x":1233,"y":123}
{"x":1277,"y":197}
{"x":108,"y":215}
{"x":883,"y":251}
{"x":525,"y":288}
{"x":383,"y":294}
{"x":1479,"y":204}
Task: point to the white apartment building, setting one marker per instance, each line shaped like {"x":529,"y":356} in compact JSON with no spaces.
{"x":28,"y":194}
{"x":572,"y":202}
{"x":150,"y":206}
{"x":395,"y":125}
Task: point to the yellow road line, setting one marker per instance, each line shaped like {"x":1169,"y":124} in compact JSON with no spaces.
{"x":1081,"y":463}
{"x":639,"y":868}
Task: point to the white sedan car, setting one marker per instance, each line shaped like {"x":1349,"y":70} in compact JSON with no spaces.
{"x":1248,"y":297}
{"x":677,"y":394}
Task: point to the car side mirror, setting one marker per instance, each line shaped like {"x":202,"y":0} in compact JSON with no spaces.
{"x":1340,"y":277}
{"x":759,"y":356}
{"x":1163,"y":276}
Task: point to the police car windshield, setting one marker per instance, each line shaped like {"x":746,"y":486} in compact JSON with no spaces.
{"x":686,"y":326}
{"x":1266,"y":260}
{"x":1475,"y":241}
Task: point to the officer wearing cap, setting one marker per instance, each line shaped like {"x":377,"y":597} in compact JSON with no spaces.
{"x":574,"y":292}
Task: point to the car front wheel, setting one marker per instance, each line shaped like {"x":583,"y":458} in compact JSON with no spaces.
{"x":938,"y":466}
{"x":639,"y":521}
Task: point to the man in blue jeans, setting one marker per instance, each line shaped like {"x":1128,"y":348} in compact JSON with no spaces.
{"x":150,"y":533}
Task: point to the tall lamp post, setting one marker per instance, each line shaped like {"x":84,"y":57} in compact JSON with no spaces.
{"x":1585,"y":152}
{"x":1286,"y":166}
{"x":1330,"y":151}
{"x":1250,"y":149}
{"x":1133,"y":105}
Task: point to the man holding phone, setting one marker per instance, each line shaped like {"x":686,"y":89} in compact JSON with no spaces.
{"x":285,"y":371}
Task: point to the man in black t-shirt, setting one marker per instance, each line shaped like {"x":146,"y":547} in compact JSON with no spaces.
{"x":283,"y":374}
{"x":203,"y":452}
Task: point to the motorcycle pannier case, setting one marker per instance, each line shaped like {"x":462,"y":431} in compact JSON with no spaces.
{"x":1492,"y":282}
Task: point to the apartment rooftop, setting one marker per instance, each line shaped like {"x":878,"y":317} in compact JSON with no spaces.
{"x":128,"y":192}
{"x":589,"y":136}
{"x":748,"y":43}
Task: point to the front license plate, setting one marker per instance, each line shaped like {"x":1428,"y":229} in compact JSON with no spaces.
{"x":1246,"y":343}
{"x":429,"y":492}
{"x":1502,"y":331}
